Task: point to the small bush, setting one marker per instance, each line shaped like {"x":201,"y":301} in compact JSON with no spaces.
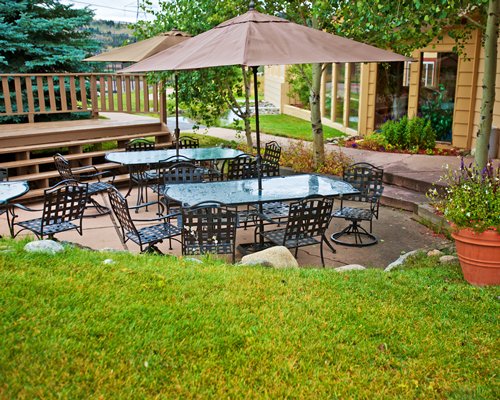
{"x":375,"y":141}
{"x":299,"y":156}
{"x":409,"y":134}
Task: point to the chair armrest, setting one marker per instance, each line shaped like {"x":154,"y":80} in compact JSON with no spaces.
{"x":24,"y":208}
{"x":98,"y":175}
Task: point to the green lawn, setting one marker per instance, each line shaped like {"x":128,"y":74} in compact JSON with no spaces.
{"x":288,"y":126}
{"x":158,"y":327}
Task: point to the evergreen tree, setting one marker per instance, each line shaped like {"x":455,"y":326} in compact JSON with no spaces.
{"x":42,"y":36}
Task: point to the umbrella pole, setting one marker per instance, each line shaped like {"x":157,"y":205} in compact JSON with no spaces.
{"x":257,"y":130}
{"x":176,"y":130}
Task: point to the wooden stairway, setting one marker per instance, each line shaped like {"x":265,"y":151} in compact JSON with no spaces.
{"x":26,"y":150}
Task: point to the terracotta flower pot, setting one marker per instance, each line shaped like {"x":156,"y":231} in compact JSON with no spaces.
{"x":479,"y":255}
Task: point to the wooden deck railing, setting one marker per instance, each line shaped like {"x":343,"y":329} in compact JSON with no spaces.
{"x":31,"y":94}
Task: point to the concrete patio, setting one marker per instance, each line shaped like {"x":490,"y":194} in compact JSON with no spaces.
{"x":397,"y":231}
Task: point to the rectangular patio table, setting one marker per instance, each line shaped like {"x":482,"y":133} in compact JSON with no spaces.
{"x":11,"y":190}
{"x":242,"y":192}
{"x":246,"y":191}
{"x":152,"y":157}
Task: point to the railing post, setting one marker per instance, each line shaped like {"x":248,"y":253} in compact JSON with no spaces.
{"x":93,"y":96}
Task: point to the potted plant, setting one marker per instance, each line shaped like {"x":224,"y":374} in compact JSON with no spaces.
{"x":471,"y":203}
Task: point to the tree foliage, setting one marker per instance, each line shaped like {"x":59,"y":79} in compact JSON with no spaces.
{"x":43,"y":36}
{"x":407,"y":25}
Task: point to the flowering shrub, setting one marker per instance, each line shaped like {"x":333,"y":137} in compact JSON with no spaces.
{"x":471,"y":198}
{"x":299,"y":156}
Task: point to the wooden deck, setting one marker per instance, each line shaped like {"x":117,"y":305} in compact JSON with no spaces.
{"x":27,"y":149}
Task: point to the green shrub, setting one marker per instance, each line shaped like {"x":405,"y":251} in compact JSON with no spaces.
{"x":375,"y":141}
{"x":409,"y":134}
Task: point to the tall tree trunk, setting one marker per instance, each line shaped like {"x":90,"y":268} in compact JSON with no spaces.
{"x":317,"y":126}
{"x":489,"y":80}
{"x":246,"y":120}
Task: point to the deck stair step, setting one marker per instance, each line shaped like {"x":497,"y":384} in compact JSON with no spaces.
{"x":82,"y":142}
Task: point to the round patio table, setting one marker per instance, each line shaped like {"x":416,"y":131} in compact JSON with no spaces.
{"x":10,"y":190}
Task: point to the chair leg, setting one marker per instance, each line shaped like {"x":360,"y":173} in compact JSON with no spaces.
{"x":361,"y":236}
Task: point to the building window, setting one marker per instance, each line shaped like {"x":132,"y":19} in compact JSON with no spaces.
{"x":354,"y":96}
{"x":339,"y":109}
{"x":436,"y":100}
{"x":328,"y":90}
{"x":392,"y":92}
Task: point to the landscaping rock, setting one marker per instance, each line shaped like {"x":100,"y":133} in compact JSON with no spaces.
{"x":434,"y":253}
{"x":274,"y":257}
{"x":350,"y":267}
{"x":400,"y":261}
{"x":44,"y":246}
{"x":193,"y":260}
{"x":448,"y":259}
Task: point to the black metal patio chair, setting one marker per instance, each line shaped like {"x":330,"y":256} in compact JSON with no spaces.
{"x":181,"y":172}
{"x":242,"y":166}
{"x":306,"y":225}
{"x":140,"y":175}
{"x":368,"y":179}
{"x":271,"y":159}
{"x":188,"y":142}
{"x":85,"y":173}
{"x":209,"y":228}
{"x":146,"y":237}
{"x":63,"y":208}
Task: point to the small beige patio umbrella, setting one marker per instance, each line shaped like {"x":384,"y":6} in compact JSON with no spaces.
{"x":254,"y":39}
{"x":143,"y":49}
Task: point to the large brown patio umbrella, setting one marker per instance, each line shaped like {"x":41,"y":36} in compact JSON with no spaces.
{"x":254,"y":39}
{"x":143,"y":49}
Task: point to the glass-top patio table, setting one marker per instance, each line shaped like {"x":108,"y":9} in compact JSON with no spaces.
{"x":246,"y":191}
{"x":151,"y":157}
{"x":10,"y":190}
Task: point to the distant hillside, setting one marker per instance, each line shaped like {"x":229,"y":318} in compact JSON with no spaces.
{"x":111,"y":34}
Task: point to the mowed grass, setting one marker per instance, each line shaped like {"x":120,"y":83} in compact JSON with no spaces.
{"x":291,"y":127}
{"x":158,"y":327}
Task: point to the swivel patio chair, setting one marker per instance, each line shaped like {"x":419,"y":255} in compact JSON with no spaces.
{"x":368,"y":180}
{"x":81,"y":174}
{"x":209,"y":228}
{"x":63,"y":207}
{"x":140,"y":175}
{"x":147,"y":237}
{"x":306,"y":225}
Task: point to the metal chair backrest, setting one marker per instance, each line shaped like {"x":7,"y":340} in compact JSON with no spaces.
{"x":209,"y":228}
{"x":182,"y":172}
{"x":240,"y":167}
{"x":140,"y":144}
{"x":308,"y":217}
{"x":4,"y":174}
{"x":188,"y":142}
{"x":367,"y":178}
{"x":64,"y":202}
{"x":120,"y":208}
{"x":63,"y":167}
{"x":272,"y":153}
